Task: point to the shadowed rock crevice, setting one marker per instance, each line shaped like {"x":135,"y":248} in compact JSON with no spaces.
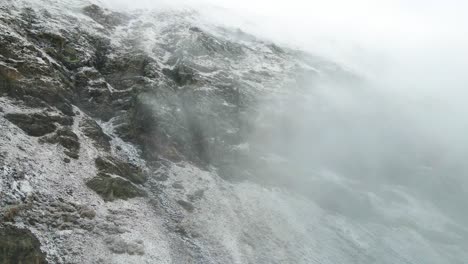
{"x":20,"y":246}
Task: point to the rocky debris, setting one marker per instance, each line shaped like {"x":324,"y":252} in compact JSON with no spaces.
{"x":111,"y":188}
{"x":177,"y":185}
{"x":181,"y":230}
{"x":19,"y":246}
{"x":45,"y":212}
{"x":197,"y":195}
{"x":66,"y":138}
{"x":11,"y":212}
{"x":120,"y":246}
{"x":87,"y":212}
{"x":186,"y":205}
{"x":184,"y":230}
{"x":112,"y":228}
{"x":126,"y":170}
{"x":12,"y":185}
{"x":161,"y":175}
{"x":9,"y":74}
{"x":92,"y":130}
{"x":181,"y":75}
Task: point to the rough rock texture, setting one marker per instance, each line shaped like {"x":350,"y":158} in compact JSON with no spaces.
{"x":67,"y":139}
{"x":126,"y":170}
{"x":37,"y":124}
{"x":111,"y":188}
{"x":122,"y":135}
{"x":92,"y":130}
{"x":116,"y":128}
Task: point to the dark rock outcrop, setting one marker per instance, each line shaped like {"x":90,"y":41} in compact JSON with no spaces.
{"x":66,"y":138}
{"x":25,"y":64}
{"x":111,"y":188}
{"x":38,"y":124}
{"x":19,"y":246}
{"x":105,"y":17}
{"x":126,"y":170}
{"x":92,"y":130}
{"x":181,"y":75}
{"x":186,"y":205}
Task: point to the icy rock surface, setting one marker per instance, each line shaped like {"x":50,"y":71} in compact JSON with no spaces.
{"x":121,"y":135}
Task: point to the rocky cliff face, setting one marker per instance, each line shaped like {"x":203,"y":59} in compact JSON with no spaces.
{"x":145,"y":137}
{"x":117,"y":129}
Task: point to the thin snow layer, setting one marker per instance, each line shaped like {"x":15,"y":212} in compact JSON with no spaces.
{"x":44,"y":171}
{"x":229,"y":222}
{"x":247,"y":223}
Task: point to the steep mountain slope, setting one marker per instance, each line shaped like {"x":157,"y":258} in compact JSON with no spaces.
{"x":109,"y":122}
{"x":134,"y":138}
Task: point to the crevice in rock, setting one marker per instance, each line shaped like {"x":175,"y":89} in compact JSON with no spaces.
{"x":20,"y":246}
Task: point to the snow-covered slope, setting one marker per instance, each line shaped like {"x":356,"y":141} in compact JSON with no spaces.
{"x":133,"y":138}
